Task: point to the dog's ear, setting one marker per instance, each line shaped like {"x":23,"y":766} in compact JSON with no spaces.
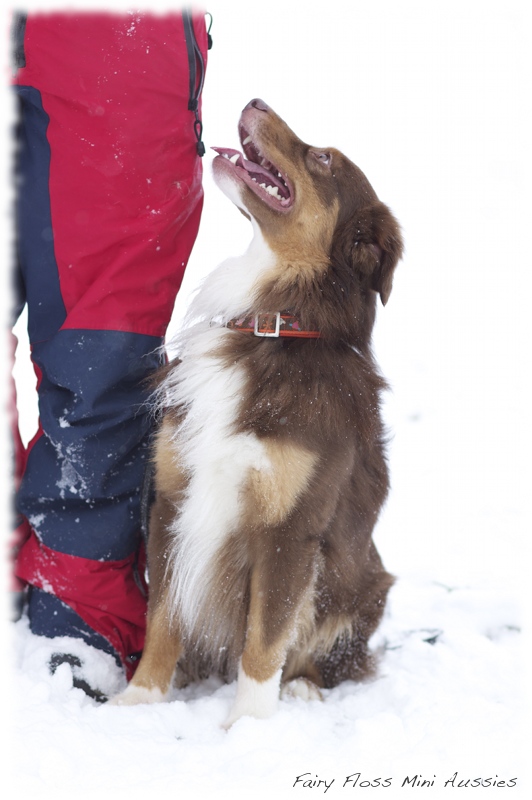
{"x":388,"y":247}
{"x":371,"y":243}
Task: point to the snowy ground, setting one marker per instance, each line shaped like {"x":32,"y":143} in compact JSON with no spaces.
{"x":429,"y":100}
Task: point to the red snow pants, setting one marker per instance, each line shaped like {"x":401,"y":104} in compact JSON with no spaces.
{"x":109,"y":198}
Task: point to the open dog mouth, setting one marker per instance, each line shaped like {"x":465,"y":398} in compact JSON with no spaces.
{"x":259,"y":173}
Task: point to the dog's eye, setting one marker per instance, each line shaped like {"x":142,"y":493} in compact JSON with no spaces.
{"x":322,"y":156}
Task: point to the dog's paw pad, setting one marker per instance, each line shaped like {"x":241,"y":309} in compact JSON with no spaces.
{"x":302,"y":688}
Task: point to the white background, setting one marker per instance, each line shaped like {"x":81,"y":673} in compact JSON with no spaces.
{"x":432,"y":101}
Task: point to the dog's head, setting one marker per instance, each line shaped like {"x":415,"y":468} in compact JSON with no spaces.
{"x":314,"y":206}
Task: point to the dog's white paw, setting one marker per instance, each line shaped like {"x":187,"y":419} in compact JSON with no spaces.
{"x":302,"y":688}
{"x":257,"y":699}
{"x":137,"y":695}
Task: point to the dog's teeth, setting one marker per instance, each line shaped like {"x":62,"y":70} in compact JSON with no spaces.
{"x":274,"y":191}
{"x":234,"y":158}
{"x":247,"y":140}
{"x":262,"y":185}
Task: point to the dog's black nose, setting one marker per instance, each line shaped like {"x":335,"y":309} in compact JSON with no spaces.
{"x":258,"y":104}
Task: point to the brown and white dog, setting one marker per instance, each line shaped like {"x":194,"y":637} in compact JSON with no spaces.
{"x":270,"y":465}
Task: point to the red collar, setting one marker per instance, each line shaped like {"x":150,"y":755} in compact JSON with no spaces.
{"x":271,"y":325}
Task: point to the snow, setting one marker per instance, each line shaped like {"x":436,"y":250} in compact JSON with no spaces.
{"x":455,"y":705}
{"x":429,"y":100}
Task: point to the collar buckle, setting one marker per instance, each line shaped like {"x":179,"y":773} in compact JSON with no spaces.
{"x":268,"y":324}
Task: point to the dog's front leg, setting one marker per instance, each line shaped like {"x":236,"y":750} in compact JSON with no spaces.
{"x":272,"y":623}
{"x":260,"y":668}
{"x":153,"y":678}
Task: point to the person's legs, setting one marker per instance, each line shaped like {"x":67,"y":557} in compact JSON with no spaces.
{"x":109,"y":202}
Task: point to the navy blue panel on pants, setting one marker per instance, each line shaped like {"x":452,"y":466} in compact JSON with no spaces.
{"x":38,"y":276}
{"x":81,"y":487}
{"x":50,"y":617}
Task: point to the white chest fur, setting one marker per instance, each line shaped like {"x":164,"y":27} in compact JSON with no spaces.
{"x":216,"y":458}
{"x":217,"y":461}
